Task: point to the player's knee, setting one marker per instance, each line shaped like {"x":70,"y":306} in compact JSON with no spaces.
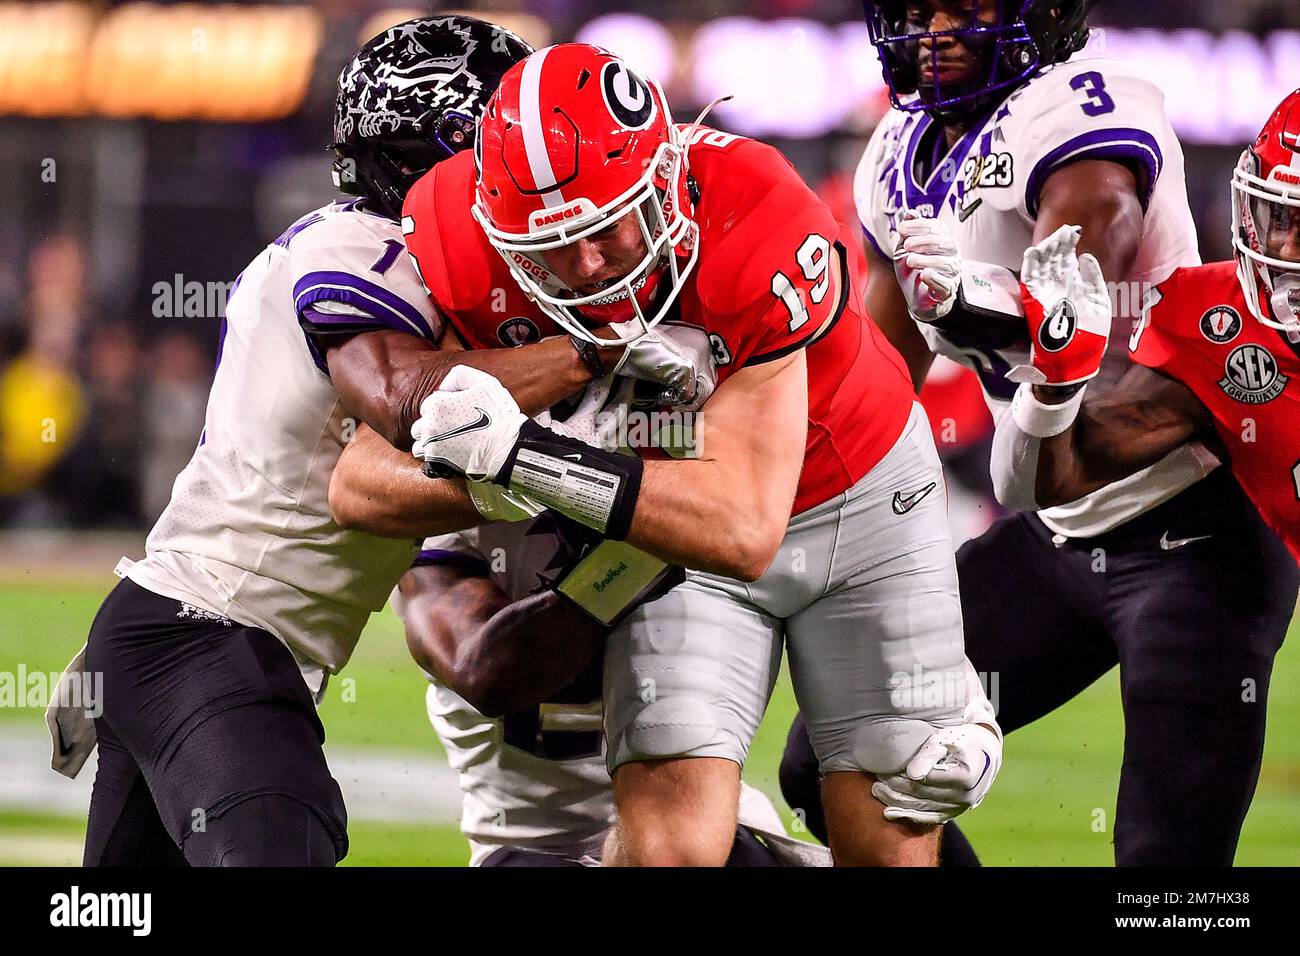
{"x":667,"y":841}
{"x":677,"y":812}
{"x":264,"y":830}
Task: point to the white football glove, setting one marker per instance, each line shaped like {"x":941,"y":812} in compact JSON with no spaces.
{"x":951,"y":772}
{"x":928,"y":266}
{"x":594,"y":422}
{"x":1068,"y":310}
{"x":468,"y":426}
{"x":677,"y":357}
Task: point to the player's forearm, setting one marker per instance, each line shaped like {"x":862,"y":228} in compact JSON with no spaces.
{"x":888,"y":310}
{"x":1114,"y":436}
{"x":702,"y":515}
{"x":526,"y":652}
{"x":1035,"y":461}
{"x":382,"y":377}
{"x":499,"y":656}
{"x":1051,"y":448}
{"x":379,"y":490}
{"x":725,"y":511}
{"x":537,"y":376}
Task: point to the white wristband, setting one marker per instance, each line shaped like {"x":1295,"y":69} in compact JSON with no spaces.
{"x":1044,"y":421}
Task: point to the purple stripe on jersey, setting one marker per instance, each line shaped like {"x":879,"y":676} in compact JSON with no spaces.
{"x":456,"y":559}
{"x":944,"y":172}
{"x":221,"y":344}
{"x":373,"y":318}
{"x":1120,"y":145}
{"x":376,"y":301}
{"x":287,"y":236}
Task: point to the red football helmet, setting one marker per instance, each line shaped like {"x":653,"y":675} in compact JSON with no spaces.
{"x":573,"y":140}
{"x":1266,"y":218}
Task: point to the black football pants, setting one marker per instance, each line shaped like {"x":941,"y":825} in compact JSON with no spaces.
{"x":1192,"y":600}
{"x":209,"y":744}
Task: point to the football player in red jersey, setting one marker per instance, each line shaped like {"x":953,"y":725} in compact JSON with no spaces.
{"x":588,"y":210}
{"x":1217,"y":353}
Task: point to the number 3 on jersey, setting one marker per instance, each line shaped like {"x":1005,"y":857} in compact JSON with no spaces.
{"x":814,"y":259}
{"x":1093,"y":86}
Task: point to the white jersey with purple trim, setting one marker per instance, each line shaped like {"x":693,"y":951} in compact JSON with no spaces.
{"x":987,"y":188}
{"x":537,"y":780}
{"x":248,"y":532}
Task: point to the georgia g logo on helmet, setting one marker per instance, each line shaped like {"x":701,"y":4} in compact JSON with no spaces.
{"x":627,"y":95}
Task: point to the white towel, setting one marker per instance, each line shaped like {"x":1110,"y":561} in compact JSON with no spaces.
{"x":72,"y":729}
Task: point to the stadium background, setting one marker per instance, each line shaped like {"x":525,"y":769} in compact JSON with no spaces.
{"x":150,"y":150}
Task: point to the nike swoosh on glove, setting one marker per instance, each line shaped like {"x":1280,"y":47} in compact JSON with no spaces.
{"x":468,"y":426}
{"x":1068,"y":309}
{"x":927,"y":264}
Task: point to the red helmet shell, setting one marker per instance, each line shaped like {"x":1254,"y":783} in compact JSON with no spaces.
{"x":1278,"y":145}
{"x":569,"y":130}
{"x":573,"y":139}
{"x":1266,"y":192}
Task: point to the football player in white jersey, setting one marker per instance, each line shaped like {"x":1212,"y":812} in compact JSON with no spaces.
{"x":1002,"y":132}
{"x":515,"y":696}
{"x":215,"y":645}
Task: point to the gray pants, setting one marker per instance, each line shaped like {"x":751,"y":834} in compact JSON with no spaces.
{"x":863,"y":592}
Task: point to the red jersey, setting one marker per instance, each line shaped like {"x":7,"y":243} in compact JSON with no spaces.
{"x":760,"y":289}
{"x":1200,"y":331}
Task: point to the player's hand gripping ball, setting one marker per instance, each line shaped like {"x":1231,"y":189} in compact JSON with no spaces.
{"x":676,"y":358}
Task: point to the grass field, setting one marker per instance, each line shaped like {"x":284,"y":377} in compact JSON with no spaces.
{"x":1053,"y":804}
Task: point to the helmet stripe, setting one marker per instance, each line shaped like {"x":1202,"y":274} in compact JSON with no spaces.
{"x":530,"y":117}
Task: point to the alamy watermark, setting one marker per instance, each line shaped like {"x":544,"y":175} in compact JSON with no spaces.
{"x":79,"y":690}
{"x":676,"y":432}
{"x":179,"y":299}
{"x":945,"y":688}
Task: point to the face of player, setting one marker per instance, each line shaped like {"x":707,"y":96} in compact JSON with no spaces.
{"x":954,"y":60}
{"x":601,"y":259}
{"x":1279,"y":226}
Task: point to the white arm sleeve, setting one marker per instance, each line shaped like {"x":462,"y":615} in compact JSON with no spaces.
{"x":1017,"y":441}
